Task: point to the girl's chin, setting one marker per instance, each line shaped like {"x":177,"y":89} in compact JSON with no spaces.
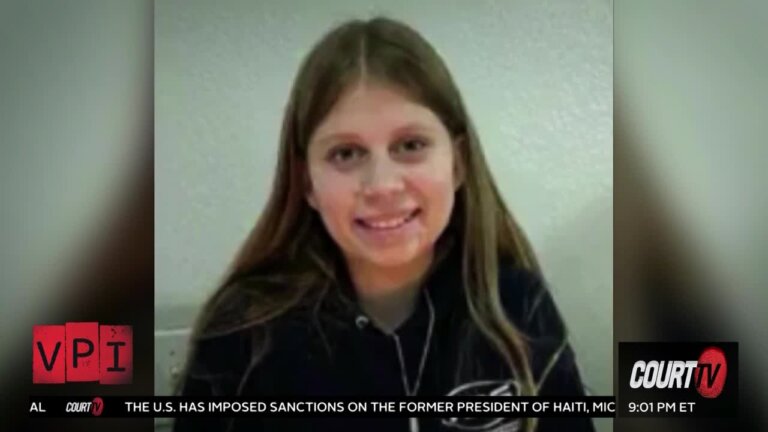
{"x":393,"y":256}
{"x":390,"y":261}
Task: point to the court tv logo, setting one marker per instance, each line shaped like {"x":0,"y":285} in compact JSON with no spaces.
{"x":707,"y":374}
{"x":689,"y":379}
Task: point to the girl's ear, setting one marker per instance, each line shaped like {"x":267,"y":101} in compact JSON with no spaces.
{"x":311,"y":200}
{"x":459,"y":165}
{"x":309,"y":193}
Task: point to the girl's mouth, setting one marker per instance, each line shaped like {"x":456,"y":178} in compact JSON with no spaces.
{"x":385,"y":223}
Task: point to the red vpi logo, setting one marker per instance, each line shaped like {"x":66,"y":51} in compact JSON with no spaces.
{"x":80,"y":352}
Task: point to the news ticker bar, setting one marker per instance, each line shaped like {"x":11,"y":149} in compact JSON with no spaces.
{"x":439,"y":407}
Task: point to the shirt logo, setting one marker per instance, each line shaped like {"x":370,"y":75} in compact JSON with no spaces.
{"x":500,"y":388}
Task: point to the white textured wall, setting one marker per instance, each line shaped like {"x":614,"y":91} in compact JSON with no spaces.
{"x":536,"y":76}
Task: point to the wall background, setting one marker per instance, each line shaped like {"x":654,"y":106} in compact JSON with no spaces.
{"x":536,"y":77}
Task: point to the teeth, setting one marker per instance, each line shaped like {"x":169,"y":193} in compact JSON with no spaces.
{"x":392,"y":223}
{"x":388,"y":224}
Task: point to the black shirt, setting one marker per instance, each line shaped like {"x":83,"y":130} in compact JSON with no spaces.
{"x":336,"y":351}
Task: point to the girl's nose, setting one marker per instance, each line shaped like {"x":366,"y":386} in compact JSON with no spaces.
{"x":382,"y":179}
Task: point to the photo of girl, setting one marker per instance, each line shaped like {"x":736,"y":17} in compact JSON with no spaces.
{"x":385,"y":261}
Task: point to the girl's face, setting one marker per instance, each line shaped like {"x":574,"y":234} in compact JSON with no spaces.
{"x":382,"y":176}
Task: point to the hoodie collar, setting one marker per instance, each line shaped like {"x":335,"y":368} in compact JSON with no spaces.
{"x":443,"y":283}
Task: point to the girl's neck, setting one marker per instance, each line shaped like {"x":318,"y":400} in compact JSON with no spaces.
{"x":389,"y":294}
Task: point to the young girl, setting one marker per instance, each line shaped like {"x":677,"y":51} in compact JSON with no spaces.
{"x":385,"y":261}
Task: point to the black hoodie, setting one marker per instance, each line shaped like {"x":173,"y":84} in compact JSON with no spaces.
{"x":336,"y":351}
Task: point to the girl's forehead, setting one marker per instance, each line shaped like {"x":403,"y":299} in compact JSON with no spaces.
{"x":367,"y":94}
{"x":375,"y":108}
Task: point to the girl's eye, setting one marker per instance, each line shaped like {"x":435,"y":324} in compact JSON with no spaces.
{"x":345,"y":155}
{"x":410,"y":146}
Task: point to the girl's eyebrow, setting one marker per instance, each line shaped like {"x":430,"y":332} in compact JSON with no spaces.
{"x":412,"y":127}
{"x":345,"y":137}
{"x":335,"y":137}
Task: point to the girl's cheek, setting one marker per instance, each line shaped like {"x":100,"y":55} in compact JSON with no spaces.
{"x":436,"y":192}
{"x":437,"y":169}
{"x":335,"y":192}
{"x":433,"y":180}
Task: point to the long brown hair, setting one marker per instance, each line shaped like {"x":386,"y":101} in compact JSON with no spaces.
{"x":288,"y":257}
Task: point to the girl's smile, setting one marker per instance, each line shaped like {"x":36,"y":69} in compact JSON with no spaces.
{"x":383,"y":230}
